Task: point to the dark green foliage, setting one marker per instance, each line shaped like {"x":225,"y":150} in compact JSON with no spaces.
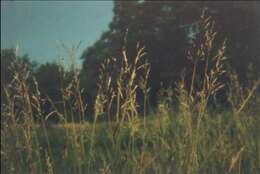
{"x":11,"y":62}
{"x":8,"y":60}
{"x":50,"y":78}
{"x":167,"y":29}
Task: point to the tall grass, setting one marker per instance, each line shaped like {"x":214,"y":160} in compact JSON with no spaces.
{"x":189,"y":138}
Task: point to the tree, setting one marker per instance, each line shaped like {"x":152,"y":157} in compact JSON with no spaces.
{"x":167,"y":29}
{"x":238,"y":22}
{"x":155,"y":25}
{"x":10,"y":62}
{"x":9,"y":57}
{"x":50,"y":77}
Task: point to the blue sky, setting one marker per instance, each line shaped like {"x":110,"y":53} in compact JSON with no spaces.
{"x":39,"y":27}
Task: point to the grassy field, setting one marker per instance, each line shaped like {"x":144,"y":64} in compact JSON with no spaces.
{"x":222,"y":144}
{"x":188,"y":137}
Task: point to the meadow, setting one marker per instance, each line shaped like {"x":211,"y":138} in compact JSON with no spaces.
{"x":187,"y":137}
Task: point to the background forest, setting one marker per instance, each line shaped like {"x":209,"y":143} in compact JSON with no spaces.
{"x":168,"y":30}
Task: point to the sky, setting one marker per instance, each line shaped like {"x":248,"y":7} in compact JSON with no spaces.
{"x":40,"y":27}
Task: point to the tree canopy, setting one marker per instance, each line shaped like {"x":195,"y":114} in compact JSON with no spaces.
{"x":167,"y":29}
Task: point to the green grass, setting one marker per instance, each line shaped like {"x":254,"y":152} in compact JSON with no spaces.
{"x":164,"y":147}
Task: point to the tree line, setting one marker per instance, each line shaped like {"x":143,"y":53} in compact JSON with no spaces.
{"x":167,"y":30}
